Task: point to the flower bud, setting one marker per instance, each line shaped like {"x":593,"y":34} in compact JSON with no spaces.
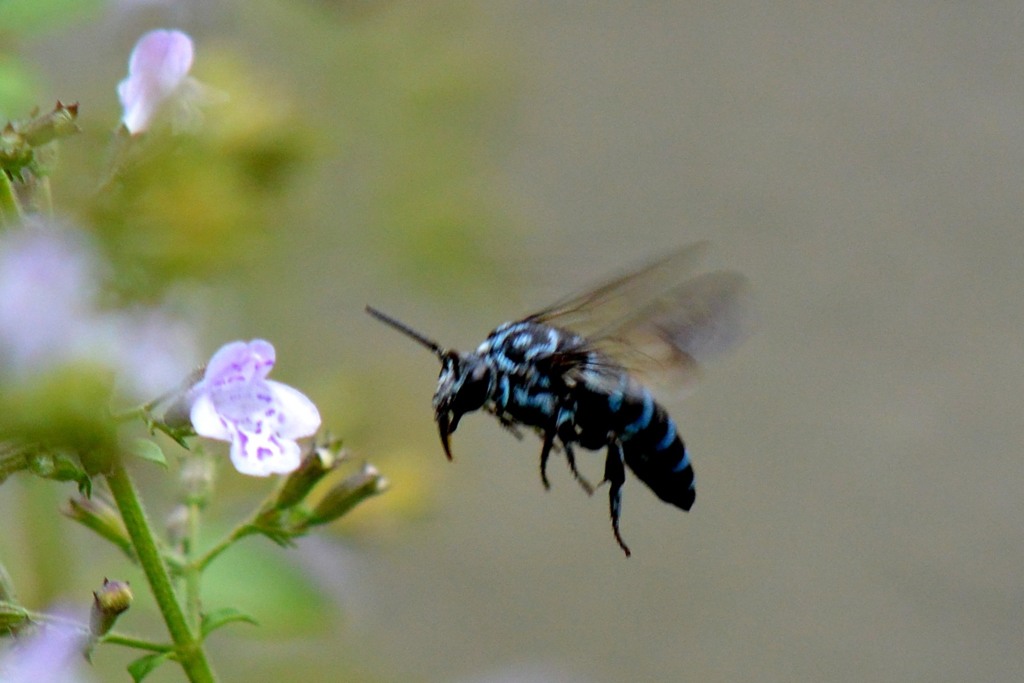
{"x":113,"y":598}
{"x":14,"y":153}
{"x":56,"y":124}
{"x":367,"y":483}
{"x":317,"y":463}
{"x":101,"y":518}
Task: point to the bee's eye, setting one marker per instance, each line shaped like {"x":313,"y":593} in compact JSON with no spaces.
{"x":472,"y":392}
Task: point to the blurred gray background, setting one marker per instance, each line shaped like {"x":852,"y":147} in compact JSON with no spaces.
{"x":859,"y":462}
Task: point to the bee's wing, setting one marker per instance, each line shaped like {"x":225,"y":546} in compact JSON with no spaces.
{"x":602,"y":306}
{"x":657,"y":322}
{"x":683,"y":327}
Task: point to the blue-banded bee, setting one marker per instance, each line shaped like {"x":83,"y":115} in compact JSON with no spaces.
{"x":567,"y":371}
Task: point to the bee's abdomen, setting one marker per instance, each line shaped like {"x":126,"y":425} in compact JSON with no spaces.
{"x":651,"y":445}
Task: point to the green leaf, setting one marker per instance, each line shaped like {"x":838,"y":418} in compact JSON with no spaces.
{"x":12,"y":618}
{"x":149,"y":450}
{"x":142,"y":666}
{"x":214,"y":620}
{"x":260,"y":580}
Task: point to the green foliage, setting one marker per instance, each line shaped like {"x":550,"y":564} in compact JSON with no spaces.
{"x":401,"y":106}
{"x":13,"y":618}
{"x":195,"y":207}
{"x":62,"y":411}
{"x":16,"y":87}
{"x":260,"y":582}
{"x":147,"y":664}
{"x":149,"y":450}
{"x":21,"y":17}
{"x":214,"y":620}
{"x":415,"y":93}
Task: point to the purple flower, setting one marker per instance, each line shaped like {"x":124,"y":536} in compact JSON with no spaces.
{"x":261,"y":418}
{"x":53,"y":654}
{"x":48,"y":285}
{"x":50,"y":278}
{"x":158,"y":76}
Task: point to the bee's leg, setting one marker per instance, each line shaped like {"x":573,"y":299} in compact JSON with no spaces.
{"x":570,"y":457}
{"x":615,"y":475}
{"x":510,"y":425}
{"x":545,"y":451}
{"x":566,"y":428}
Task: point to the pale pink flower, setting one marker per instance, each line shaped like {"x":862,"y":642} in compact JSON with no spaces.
{"x":158,"y":80}
{"x":261,"y":418}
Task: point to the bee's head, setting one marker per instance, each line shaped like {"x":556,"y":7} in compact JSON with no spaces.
{"x":462,"y":387}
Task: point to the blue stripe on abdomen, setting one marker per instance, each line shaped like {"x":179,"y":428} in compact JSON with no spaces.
{"x":684,"y":462}
{"x":670,"y":435}
{"x":641,"y":422}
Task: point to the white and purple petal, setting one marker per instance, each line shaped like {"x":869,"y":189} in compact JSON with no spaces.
{"x":208,"y":422}
{"x":263,"y":454}
{"x":295,"y":414}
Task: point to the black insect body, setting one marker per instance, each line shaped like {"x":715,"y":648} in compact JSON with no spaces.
{"x":544,"y":373}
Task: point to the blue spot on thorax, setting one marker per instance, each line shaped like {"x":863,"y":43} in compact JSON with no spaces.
{"x":617,"y":398}
{"x":503,"y":388}
{"x":543,"y":401}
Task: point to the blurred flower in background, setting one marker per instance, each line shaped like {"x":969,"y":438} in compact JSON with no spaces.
{"x":156,"y":350}
{"x":50,"y":315}
{"x":53,"y":654}
{"x":201,"y":203}
{"x":158,"y":81}
{"x":48,"y":287}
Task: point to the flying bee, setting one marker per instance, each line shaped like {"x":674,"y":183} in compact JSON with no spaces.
{"x":567,"y":371}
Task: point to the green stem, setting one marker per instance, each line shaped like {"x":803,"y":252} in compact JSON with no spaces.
{"x":241,"y":531}
{"x":115,"y":638}
{"x":192,"y":573}
{"x":188,"y":647}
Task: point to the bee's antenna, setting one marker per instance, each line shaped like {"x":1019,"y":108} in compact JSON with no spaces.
{"x":407,"y":331}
